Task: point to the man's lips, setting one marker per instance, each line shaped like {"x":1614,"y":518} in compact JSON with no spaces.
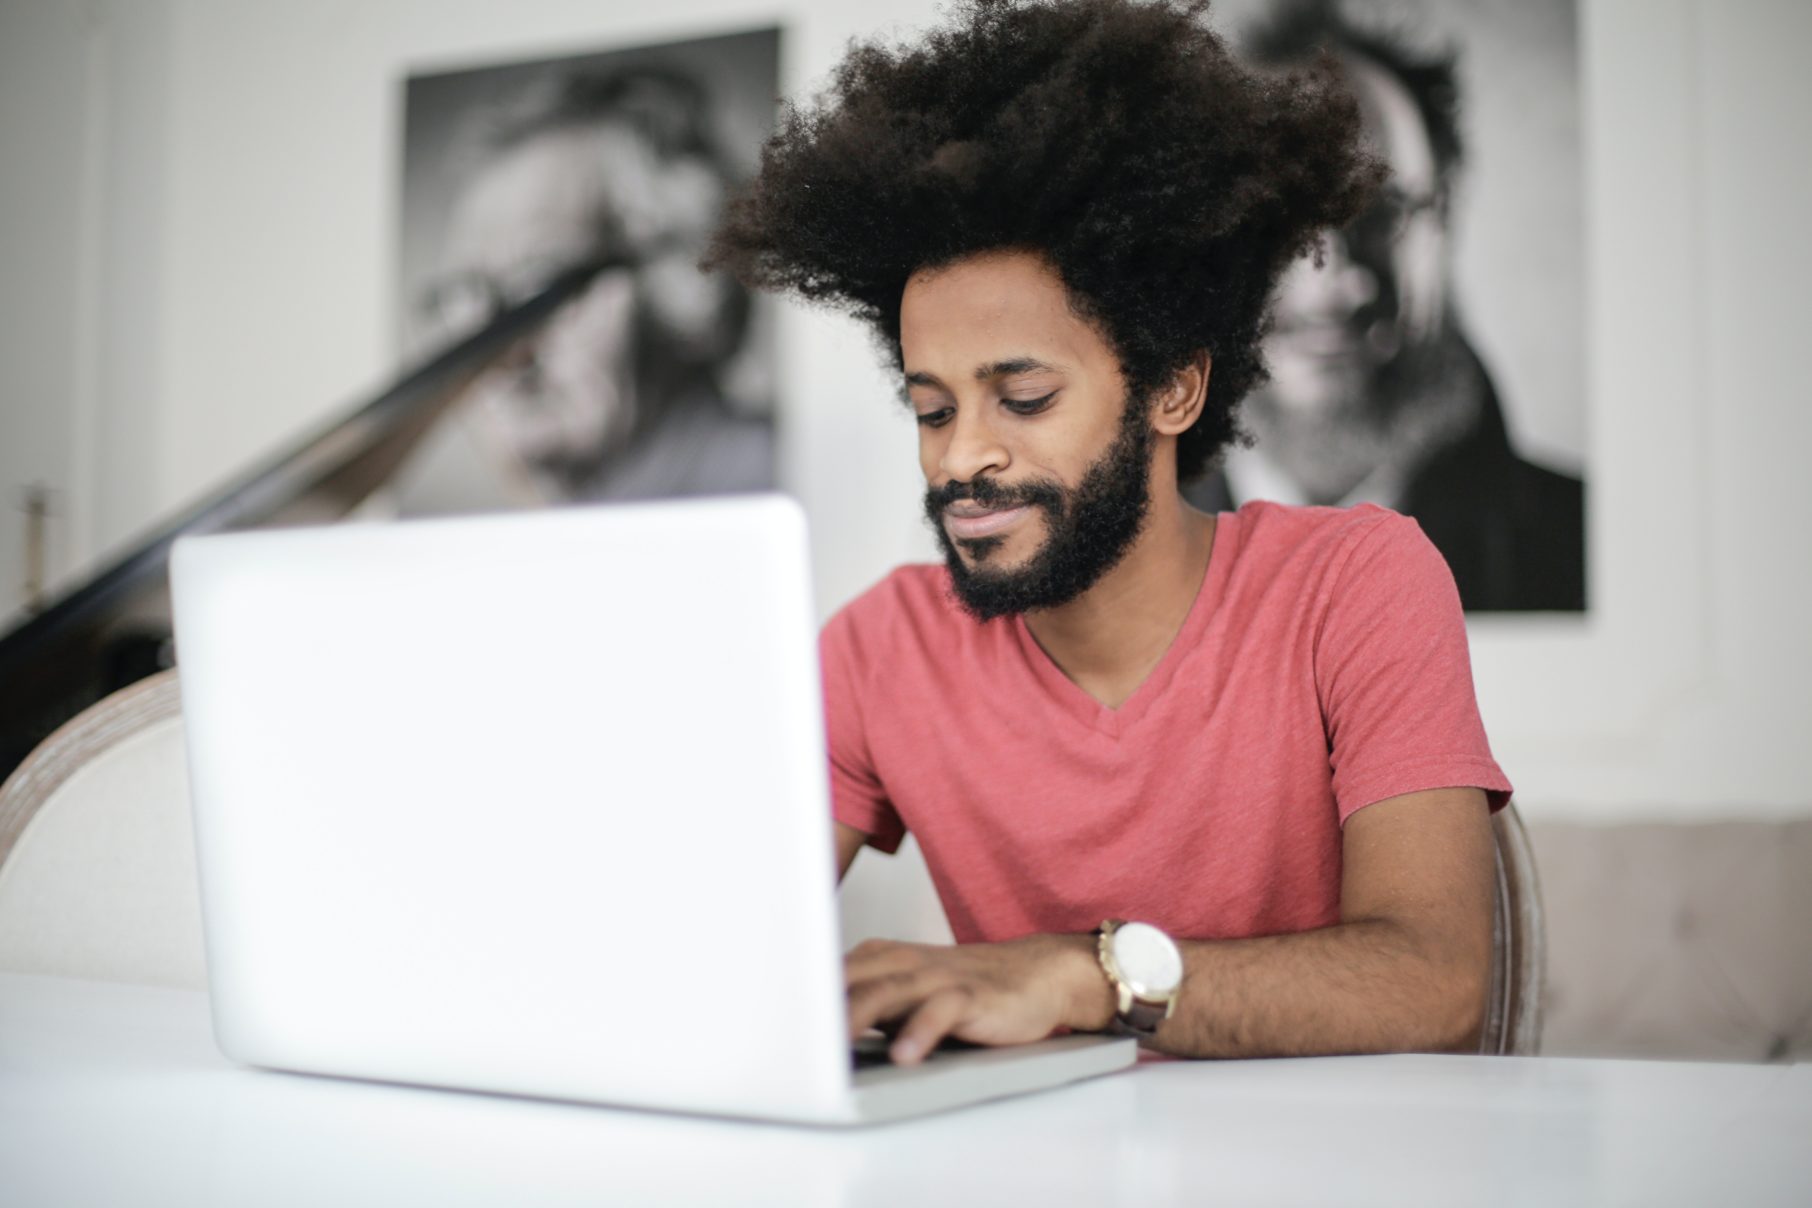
{"x":967,"y":521}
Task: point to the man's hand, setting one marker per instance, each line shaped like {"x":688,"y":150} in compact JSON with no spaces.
{"x":1406,"y":968}
{"x":1009,"y":993}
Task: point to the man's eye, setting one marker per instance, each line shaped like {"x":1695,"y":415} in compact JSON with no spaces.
{"x":1028,"y":406}
{"x":935,"y":419}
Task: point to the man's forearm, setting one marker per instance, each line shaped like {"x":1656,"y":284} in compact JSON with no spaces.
{"x":1360,"y":987}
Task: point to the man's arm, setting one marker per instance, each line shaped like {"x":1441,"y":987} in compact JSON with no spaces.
{"x":849,"y":842}
{"x":1406,"y":968}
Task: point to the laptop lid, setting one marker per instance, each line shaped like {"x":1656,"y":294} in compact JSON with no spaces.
{"x":532,"y":803}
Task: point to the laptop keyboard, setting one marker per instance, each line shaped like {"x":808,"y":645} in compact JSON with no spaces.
{"x":871,"y":1051}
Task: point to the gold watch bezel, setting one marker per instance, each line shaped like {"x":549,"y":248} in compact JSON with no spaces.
{"x":1126,"y":990}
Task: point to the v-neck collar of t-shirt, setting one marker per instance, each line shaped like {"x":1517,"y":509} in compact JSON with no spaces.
{"x":1075,"y":701}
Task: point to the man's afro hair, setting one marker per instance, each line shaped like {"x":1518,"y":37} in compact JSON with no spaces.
{"x":1168,"y":184}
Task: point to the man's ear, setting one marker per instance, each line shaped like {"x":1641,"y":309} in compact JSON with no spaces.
{"x":1180,"y":403}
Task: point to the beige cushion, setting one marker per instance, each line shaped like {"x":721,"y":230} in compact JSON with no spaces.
{"x":1678,"y":940}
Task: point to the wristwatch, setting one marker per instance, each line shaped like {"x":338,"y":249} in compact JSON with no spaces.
{"x":1145,"y":969}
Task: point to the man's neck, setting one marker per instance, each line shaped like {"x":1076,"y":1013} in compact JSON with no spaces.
{"x":1108,"y":640}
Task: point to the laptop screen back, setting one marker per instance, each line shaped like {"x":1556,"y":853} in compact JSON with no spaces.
{"x":531,"y":803}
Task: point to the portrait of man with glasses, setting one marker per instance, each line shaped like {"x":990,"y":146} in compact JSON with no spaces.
{"x":1378,"y":391}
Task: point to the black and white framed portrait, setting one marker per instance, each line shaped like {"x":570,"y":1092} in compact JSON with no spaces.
{"x":657,"y":381}
{"x":1433,"y":360}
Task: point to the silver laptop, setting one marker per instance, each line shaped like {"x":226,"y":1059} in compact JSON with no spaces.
{"x":537,"y":804}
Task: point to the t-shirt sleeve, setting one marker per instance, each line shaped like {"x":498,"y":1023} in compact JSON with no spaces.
{"x":1395,"y":675}
{"x":857,"y":798}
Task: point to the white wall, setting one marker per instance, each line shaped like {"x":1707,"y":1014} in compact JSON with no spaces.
{"x":1687,"y":692}
{"x":238,"y":218}
{"x":42,"y":77}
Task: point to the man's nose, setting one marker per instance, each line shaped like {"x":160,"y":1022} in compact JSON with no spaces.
{"x":974,"y":447}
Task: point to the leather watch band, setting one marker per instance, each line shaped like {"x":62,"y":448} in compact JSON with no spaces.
{"x":1144,"y":1018}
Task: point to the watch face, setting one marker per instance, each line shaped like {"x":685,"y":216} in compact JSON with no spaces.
{"x":1148,"y":960}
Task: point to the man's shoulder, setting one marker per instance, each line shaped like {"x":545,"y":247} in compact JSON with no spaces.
{"x":1282,"y":532}
{"x":1316,"y":556}
{"x":913,"y":587}
{"x":914,"y":598}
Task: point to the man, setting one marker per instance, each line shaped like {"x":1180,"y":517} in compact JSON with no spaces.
{"x":625,"y":393}
{"x":1376,"y":394}
{"x":1253,"y":732}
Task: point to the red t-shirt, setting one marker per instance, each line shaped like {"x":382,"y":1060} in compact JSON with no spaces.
{"x":1322,"y":667}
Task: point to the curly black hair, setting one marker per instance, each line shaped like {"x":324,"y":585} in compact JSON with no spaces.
{"x":1167,"y":184}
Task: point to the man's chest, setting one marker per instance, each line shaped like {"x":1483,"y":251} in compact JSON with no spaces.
{"x":1227,"y":737}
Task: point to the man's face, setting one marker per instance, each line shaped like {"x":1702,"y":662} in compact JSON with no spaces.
{"x":543,"y":205}
{"x":1037,"y":465}
{"x":1344,"y":329}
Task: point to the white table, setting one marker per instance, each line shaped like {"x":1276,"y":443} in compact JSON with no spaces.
{"x":115,"y":1095}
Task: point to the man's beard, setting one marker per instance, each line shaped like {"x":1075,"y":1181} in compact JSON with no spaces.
{"x":1089,"y":527}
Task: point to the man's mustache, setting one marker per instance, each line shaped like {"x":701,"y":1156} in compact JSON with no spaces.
{"x":991,"y":494}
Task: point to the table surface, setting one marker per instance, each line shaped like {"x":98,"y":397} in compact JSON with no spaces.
{"x":114,"y":1094}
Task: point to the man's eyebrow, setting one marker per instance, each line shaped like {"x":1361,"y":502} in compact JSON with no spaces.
{"x":1011,"y":366}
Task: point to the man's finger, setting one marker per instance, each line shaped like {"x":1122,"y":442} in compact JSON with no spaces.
{"x":929,"y":1024}
{"x":889,"y":996}
{"x":872,"y":958}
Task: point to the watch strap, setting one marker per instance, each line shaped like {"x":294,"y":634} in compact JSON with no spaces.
{"x":1143,"y":1019}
